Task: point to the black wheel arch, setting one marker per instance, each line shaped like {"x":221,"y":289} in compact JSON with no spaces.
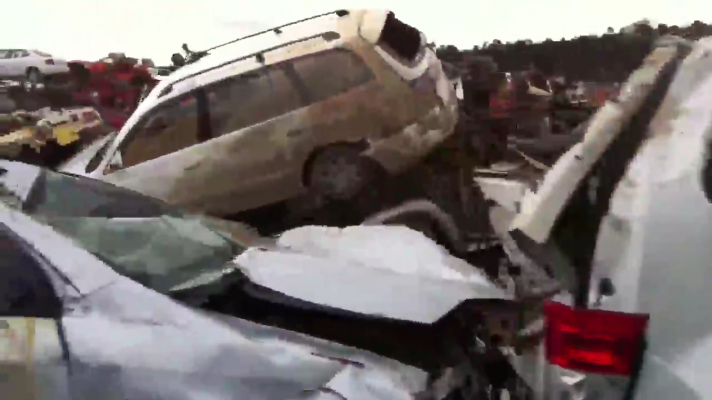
{"x":359,"y":146}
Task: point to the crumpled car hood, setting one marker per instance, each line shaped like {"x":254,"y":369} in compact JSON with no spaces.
{"x":125,"y":341}
{"x":389,"y":271}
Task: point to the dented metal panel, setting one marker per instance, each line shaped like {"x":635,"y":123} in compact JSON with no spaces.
{"x":151,"y":345}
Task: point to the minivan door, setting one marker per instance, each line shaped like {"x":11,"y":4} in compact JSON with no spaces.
{"x":256,"y":127}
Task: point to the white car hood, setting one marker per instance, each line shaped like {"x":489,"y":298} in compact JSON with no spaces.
{"x":389,"y":271}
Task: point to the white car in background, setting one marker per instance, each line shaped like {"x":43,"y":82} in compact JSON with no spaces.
{"x":32,"y":65}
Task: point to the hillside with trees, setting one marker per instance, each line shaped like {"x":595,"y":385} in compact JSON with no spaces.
{"x":610,"y":57}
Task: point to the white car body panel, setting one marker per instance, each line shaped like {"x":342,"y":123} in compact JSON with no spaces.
{"x":662,"y":222}
{"x":654,"y":243}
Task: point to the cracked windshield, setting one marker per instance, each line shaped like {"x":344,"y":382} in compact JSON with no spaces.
{"x":434,"y":201}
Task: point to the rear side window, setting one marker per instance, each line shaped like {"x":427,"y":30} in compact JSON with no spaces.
{"x":166,"y":129}
{"x":250,"y":99}
{"x":331,"y":73}
{"x":400,"y":40}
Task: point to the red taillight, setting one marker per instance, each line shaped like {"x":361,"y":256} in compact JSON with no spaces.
{"x":593,"y":341}
{"x":49,"y":62}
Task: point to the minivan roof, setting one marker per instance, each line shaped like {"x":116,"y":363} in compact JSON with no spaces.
{"x":274,"y":37}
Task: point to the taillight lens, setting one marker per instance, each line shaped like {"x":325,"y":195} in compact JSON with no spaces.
{"x":593,"y":341}
{"x":49,"y":61}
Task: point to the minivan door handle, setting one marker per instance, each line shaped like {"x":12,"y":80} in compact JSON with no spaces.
{"x":192,"y":166}
{"x":295,"y":132}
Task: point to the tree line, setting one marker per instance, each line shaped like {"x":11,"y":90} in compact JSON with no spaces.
{"x":610,"y":57}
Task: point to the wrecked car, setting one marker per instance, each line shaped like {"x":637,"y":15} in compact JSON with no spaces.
{"x":609,"y":220}
{"x":328,"y":105}
{"x":143,"y":271}
{"x":49,"y":137}
{"x":113,"y":85}
{"x":74,"y":328}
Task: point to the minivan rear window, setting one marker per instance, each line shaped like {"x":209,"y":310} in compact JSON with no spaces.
{"x":331,"y":72}
{"x":403,"y":40}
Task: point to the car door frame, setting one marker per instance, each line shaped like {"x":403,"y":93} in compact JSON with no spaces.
{"x":48,"y":277}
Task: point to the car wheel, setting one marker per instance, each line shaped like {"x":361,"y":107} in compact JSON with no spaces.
{"x":34,"y":76}
{"x":339,"y":173}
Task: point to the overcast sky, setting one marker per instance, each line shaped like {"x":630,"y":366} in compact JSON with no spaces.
{"x":86,"y":29}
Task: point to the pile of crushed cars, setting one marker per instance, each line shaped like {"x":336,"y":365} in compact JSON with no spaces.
{"x":110,"y":88}
{"x":388,"y":269}
{"x":46,"y":119}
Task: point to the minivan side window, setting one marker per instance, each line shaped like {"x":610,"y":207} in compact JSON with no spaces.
{"x":164,"y":130}
{"x":249,"y":99}
{"x":332,"y":72}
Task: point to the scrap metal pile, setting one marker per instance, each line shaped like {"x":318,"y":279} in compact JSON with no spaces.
{"x":47,"y":122}
{"x":411,"y":207}
{"x":48,"y":137}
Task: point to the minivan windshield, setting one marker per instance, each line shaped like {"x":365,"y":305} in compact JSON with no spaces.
{"x":140,"y":237}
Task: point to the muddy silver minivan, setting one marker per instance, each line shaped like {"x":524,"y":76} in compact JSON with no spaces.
{"x":323,"y":104}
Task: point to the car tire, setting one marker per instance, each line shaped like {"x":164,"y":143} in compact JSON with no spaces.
{"x":34,"y":76}
{"x":339,"y":173}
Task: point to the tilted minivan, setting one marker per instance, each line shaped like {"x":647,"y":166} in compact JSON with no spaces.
{"x":323,"y":104}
